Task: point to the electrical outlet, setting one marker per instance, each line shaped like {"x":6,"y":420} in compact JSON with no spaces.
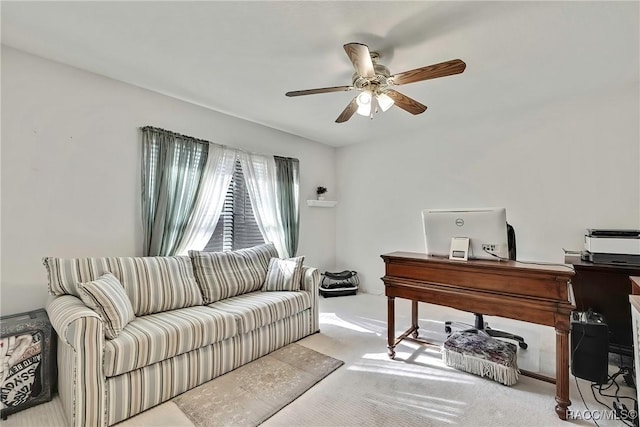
{"x":488,"y":247}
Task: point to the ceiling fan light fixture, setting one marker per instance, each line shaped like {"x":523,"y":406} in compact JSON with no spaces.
{"x":364,"y":99}
{"x":384,"y":101}
{"x":364,"y":110}
{"x":364,"y":103}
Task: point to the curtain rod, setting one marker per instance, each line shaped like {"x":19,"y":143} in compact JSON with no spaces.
{"x":204,"y":141}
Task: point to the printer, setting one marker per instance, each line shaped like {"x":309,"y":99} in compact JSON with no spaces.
{"x":612,"y":246}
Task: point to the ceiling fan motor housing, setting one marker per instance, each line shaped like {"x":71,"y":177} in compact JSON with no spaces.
{"x":376,"y":84}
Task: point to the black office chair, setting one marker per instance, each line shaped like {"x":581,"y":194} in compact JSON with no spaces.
{"x":480,"y":324}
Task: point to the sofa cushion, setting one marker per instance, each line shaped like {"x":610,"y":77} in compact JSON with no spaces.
{"x":156,"y":337}
{"x":283,"y":274}
{"x":223,"y":275}
{"x":257,"y":309}
{"x":153,"y":284}
{"x":107,"y":297}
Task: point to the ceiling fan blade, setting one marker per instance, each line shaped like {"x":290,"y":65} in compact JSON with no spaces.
{"x":406,"y":103}
{"x":360,"y":58}
{"x":455,"y":66}
{"x":348,"y":112}
{"x":320,"y":90}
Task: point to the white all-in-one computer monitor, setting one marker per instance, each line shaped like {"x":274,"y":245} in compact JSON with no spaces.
{"x":486,"y":229}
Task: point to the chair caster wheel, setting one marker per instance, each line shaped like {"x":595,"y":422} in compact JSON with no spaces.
{"x":447,"y":329}
{"x":523,"y":345}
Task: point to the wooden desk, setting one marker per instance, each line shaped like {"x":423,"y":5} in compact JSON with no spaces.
{"x":605,"y":288}
{"x":635,"y":286}
{"x":532,"y":293}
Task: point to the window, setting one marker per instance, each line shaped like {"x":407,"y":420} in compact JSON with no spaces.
{"x":237,"y":227}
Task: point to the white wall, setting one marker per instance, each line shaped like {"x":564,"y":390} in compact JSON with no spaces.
{"x":71,"y":153}
{"x":558,"y":168}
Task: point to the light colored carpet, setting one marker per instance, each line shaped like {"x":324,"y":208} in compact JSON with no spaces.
{"x":254,"y":392}
{"x":416,"y":389}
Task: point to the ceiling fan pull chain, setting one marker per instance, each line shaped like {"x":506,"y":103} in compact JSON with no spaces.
{"x":374,"y":106}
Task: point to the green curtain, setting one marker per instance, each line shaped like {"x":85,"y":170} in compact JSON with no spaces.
{"x":172,"y":166}
{"x":287,"y":188}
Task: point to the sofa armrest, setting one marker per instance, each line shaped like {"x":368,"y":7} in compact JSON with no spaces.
{"x":310,"y":282}
{"x":81,"y":380}
{"x":310,"y":279}
{"x":64,"y":310}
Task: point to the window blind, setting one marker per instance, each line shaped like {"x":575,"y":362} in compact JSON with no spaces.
{"x":237,"y":227}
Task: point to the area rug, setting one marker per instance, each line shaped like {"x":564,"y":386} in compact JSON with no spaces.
{"x":254,"y":392}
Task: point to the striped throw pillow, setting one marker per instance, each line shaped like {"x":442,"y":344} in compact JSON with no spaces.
{"x":284,"y":274}
{"x":107,"y":297}
{"x":224,"y":275}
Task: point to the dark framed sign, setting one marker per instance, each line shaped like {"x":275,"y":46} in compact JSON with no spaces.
{"x":27,"y":364}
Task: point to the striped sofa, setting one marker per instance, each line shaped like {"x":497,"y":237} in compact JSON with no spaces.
{"x":196,"y":317}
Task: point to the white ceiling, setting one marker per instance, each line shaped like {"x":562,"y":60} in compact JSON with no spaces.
{"x":241,"y":57}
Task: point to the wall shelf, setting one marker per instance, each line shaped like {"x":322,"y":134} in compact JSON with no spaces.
{"x":321,"y":203}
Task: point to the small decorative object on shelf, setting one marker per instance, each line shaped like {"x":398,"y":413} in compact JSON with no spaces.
{"x":320,"y":192}
{"x":27,"y":365}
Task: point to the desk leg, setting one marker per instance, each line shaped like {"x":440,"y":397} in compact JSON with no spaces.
{"x":391,"y":327}
{"x":414,"y":318}
{"x":562,"y":373}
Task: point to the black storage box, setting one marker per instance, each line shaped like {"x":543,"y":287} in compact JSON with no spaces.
{"x":339,"y":284}
{"x":28,"y":371}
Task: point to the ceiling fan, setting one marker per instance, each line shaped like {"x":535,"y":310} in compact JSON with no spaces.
{"x":375,"y":83}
